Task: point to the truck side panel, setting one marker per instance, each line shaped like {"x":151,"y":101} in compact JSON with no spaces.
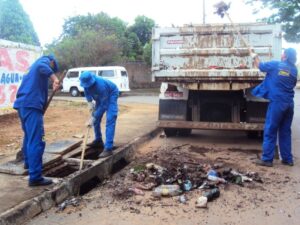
{"x":193,"y":54}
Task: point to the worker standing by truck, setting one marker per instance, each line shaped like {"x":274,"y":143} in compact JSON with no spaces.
{"x":105,"y":95}
{"x":30,"y":102}
{"x":278,"y":88}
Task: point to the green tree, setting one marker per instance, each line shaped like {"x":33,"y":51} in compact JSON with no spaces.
{"x":15,"y":24}
{"x":132,"y":48}
{"x":94,"y":40}
{"x":87,"y":48}
{"x":143,"y":28}
{"x":98,"y":22}
{"x":287,"y":12}
{"x":148,"y":53}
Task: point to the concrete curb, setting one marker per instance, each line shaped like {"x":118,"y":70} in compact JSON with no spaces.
{"x":71,"y":184}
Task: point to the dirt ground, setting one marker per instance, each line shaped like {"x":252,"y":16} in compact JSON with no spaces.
{"x":274,"y":201}
{"x":62,"y":120}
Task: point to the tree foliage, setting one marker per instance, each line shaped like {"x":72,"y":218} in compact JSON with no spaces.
{"x":15,"y":24}
{"x":143,"y":28}
{"x":132,"y":47}
{"x":87,"y":48}
{"x":99,"y":22}
{"x":96,"y":40}
{"x":287,"y":13}
{"x":148,"y":53}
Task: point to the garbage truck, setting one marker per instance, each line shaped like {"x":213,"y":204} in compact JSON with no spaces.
{"x":207,"y":74}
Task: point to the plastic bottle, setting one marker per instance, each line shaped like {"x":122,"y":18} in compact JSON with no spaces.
{"x":212,"y":194}
{"x":166,"y":190}
{"x":212,"y":175}
{"x":187,"y":185}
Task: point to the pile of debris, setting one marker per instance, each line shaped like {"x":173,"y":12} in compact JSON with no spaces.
{"x":185,"y":177}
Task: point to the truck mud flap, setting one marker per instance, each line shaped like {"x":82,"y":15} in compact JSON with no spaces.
{"x":172,"y":109}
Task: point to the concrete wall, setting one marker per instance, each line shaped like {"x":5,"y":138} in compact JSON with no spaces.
{"x":139,"y":75}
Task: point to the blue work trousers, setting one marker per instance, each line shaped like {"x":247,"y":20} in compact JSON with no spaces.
{"x":111,"y":118}
{"x":278,"y":121}
{"x":33,"y":142}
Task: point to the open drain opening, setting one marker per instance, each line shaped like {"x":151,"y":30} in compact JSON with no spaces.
{"x":61,"y":171}
{"x":90,"y":154}
{"x":89,"y":185}
{"x":95,"y":181}
{"x":119,"y":165}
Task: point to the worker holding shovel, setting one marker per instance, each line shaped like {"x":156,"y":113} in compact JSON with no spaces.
{"x":105,"y":95}
{"x":31,"y":101}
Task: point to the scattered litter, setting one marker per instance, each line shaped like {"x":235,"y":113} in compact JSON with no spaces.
{"x":159,"y":169}
{"x":147,"y":187}
{"x":218,"y":165}
{"x":212,"y":175}
{"x":162,"y":135}
{"x":166,"y":190}
{"x":201,"y":202}
{"x":212,"y":194}
{"x":80,"y":136}
{"x":136,"y":191}
{"x":182,"y":199}
{"x":69,"y":202}
{"x":187,"y":185}
{"x":175,"y":178}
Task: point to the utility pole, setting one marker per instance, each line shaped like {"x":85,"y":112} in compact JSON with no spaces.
{"x":203,"y":11}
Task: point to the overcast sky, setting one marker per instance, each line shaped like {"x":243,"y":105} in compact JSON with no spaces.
{"x":48,"y":16}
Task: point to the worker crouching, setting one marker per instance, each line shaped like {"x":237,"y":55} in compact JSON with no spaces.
{"x":105,"y":95}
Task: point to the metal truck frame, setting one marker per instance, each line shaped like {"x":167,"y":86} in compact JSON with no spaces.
{"x":207,"y":75}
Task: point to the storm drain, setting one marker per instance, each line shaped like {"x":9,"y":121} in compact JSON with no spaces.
{"x":61,"y":171}
{"x":96,"y":181}
{"x":89,"y":185}
{"x":119,"y":165}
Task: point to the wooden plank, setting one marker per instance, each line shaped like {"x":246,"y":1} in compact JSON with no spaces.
{"x":62,"y":146}
{"x":17,"y":167}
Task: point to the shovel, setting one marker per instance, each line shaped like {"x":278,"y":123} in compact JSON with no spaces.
{"x":84,"y":146}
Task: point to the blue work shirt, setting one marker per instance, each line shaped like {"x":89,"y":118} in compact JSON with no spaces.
{"x":33,"y":91}
{"x":100,"y":92}
{"x":281,"y":78}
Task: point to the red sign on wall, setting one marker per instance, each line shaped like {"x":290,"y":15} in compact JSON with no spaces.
{"x":14,"y":62}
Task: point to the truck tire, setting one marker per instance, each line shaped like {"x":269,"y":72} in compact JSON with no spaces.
{"x":184,"y":132}
{"x":170,"y":132}
{"x":74,"y":92}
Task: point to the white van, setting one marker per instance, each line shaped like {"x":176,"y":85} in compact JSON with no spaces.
{"x":116,"y":74}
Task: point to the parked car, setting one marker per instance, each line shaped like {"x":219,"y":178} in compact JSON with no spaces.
{"x":116,"y":74}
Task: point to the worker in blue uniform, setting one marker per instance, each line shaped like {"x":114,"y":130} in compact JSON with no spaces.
{"x":102,"y":96}
{"x":31,"y":100}
{"x":278,"y":88}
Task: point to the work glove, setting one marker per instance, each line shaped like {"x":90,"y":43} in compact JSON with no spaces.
{"x":91,"y":106}
{"x":253,"y":55}
{"x":55,"y":85}
{"x":91,"y":122}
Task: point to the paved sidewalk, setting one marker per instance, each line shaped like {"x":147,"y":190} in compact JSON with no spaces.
{"x":136,"y":122}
